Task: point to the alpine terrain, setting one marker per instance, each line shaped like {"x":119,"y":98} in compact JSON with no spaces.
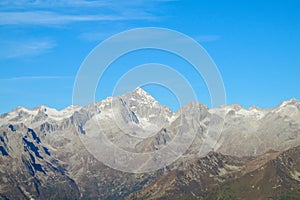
{"x":235,"y":153}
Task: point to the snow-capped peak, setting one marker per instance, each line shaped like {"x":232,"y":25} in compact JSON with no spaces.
{"x":140,"y":96}
{"x":140,"y":91}
{"x":30,"y":114}
{"x":292,"y":101}
{"x":58,"y":114}
{"x":288,"y":107}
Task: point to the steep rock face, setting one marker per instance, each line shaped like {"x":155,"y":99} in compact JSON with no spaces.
{"x":28,"y":170}
{"x":277,"y":179}
{"x":189,"y":179}
{"x":255,"y":131}
{"x":57,"y":167}
{"x":42,"y":151}
{"x":273,"y":175}
{"x":136,"y":121}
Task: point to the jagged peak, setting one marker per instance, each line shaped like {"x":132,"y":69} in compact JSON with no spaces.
{"x":192,"y":107}
{"x":19,"y":108}
{"x":236,"y":107}
{"x":42,"y":108}
{"x":254,"y":108}
{"x":292,"y":101}
{"x":140,"y":91}
{"x":139,"y":94}
{"x":194,"y":104}
{"x":71,"y":107}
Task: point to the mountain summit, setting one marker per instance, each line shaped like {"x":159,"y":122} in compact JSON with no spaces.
{"x":42,"y":151}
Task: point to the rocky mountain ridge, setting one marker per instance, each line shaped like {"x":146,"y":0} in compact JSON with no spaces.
{"x":43,"y":155}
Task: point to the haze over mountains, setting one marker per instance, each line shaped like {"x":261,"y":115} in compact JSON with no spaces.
{"x":47,"y":153}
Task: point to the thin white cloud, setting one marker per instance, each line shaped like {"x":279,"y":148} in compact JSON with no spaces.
{"x":51,"y":3}
{"x":15,"y":49}
{"x":25,"y":14}
{"x":111,"y":4}
{"x":52,"y":18}
{"x":66,"y":11}
{"x":22,"y":78}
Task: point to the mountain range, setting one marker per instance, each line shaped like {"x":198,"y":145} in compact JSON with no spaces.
{"x":227,"y":152}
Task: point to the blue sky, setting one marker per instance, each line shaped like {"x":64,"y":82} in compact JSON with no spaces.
{"x":255,"y":44}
